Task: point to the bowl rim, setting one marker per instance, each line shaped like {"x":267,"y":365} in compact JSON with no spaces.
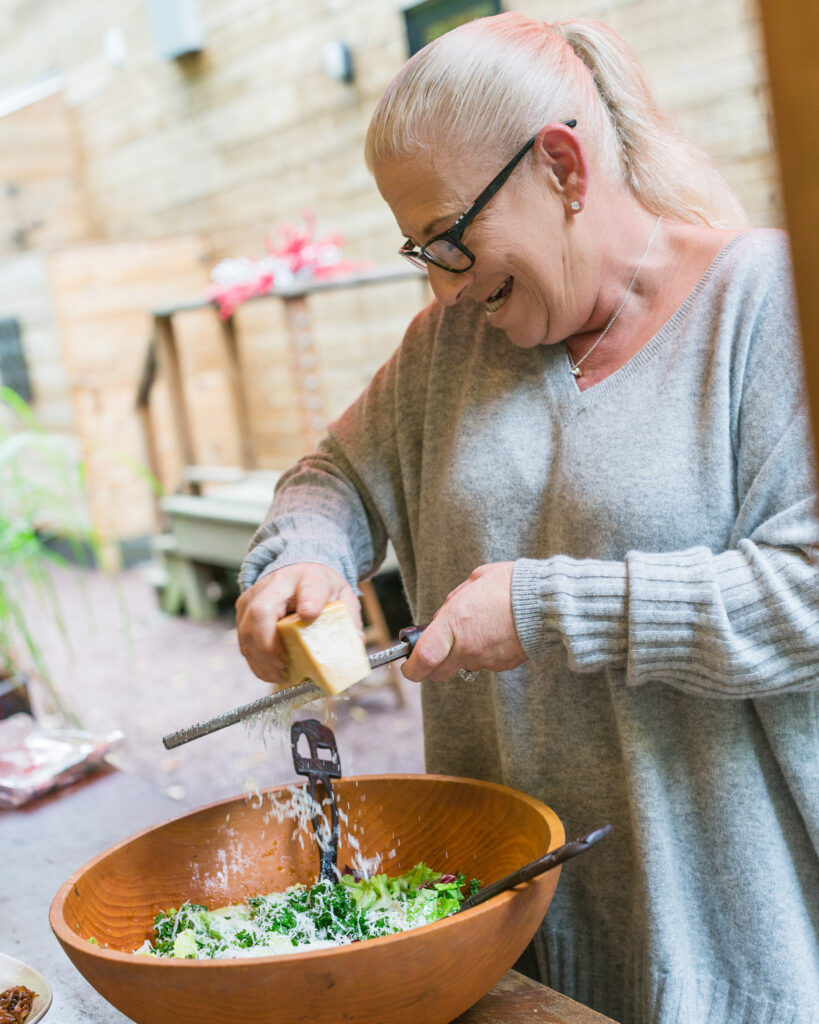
{"x":67,"y":937}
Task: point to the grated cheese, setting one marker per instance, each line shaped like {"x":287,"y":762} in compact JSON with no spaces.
{"x":301,"y":919}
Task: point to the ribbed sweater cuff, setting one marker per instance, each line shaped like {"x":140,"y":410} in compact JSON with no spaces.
{"x":675,"y":606}
{"x":274,"y":546}
{"x":579,"y":602}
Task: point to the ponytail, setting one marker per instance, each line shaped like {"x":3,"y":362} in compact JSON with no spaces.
{"x":667,"y":173}
{"x":502,"y":78}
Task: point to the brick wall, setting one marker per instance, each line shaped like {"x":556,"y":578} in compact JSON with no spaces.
{"x":223,"y":146}
{"x":252,"y":132}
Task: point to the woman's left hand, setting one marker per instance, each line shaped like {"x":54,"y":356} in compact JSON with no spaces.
{"x":473,"y":629}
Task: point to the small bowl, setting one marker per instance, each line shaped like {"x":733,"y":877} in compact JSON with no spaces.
{"x":14,"y":972}
{"x":225,"y":852}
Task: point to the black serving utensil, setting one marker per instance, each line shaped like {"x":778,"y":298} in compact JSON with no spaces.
{"x":320,"y":769}
{"x":536,"y":867}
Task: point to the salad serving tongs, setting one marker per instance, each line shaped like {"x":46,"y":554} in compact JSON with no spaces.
{"x":323,"y":765}
{"x":302,"y":693}
{"x":536,"y":867}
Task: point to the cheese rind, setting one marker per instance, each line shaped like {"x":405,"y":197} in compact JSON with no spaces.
{"x":329,"y":650}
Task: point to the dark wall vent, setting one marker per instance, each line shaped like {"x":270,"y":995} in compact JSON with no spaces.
{"x":13,"y":365}
{"x":427,"y":19}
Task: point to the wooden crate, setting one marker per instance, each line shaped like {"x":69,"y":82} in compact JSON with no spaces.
{"x":103,"y":297}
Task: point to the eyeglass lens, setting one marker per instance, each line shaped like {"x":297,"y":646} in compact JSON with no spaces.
{"x":442,"y":251}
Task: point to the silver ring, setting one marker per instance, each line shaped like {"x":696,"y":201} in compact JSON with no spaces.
{"x":467,"y":676}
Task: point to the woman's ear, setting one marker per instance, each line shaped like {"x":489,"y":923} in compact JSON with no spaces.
{"x":560,"y":152}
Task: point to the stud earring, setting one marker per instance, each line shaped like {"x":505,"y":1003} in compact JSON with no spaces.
{"x":575,"y":205}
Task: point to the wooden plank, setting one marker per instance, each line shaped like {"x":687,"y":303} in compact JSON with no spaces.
{"x":237,"y":393}
{"x":791,"y":30}
{"x":377,"y":632}
{"x":309,"y":287}
{"x":151,"y":456}
{"x":119,"y":500}
{"x":517,"y":999}
{"x":102,"y":296}
{"x":307,"y":382}
{"x":171,"y":466}
{"x":213,"y":416}
{"x":169,"y":367}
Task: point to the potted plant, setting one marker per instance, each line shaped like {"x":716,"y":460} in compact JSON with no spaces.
{"x":41,"y":498}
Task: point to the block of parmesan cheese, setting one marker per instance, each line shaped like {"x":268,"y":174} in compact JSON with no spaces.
{"x":329,"y":650}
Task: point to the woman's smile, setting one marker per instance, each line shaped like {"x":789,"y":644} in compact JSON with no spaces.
{"x":499,"y":296}
{"x":508,"y":278}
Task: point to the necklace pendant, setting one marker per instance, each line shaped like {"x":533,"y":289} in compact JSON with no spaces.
{"x":576,"y":371}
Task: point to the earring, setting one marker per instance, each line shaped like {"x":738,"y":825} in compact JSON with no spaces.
{"x":575,"y":205}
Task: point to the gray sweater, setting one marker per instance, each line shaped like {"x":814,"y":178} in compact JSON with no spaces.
{"x":665,"y":534}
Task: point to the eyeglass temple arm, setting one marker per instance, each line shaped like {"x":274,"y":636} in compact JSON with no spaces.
{"x":466,"y":217}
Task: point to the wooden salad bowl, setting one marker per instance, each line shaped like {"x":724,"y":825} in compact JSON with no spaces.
{"x":227,"y":851}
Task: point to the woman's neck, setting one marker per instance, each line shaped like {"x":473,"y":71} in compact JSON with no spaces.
{"x":669,"y":258}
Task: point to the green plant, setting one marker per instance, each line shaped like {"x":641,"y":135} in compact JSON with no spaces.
{"x":41,"y":498}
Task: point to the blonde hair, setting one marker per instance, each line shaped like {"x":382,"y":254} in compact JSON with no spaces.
{"x":498,"y":80}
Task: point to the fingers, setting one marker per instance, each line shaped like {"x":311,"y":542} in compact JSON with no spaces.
{"x":473,"y":629}
{"x":313,"y":591}
{"x":317,"y":586}
{"x":304,"y":588}
{"x":257,"y":612}
{"x":432,"y":652}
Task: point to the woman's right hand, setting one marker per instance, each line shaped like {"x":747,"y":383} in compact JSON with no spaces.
{"x":304,"y":588}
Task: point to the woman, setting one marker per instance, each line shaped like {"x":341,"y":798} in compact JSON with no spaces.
{"x":592,"y":456}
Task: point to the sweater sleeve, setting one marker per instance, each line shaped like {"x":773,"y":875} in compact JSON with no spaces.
{"x":738,"y":623}
{"x":319,"y":514}
{"x":743,"y":623}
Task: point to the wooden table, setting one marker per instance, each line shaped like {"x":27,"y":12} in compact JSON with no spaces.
{"x":43,"y":843}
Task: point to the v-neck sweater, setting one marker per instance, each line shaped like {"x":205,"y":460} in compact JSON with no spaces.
{"x":664,"y":528}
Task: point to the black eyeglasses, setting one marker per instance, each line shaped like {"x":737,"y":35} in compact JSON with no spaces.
{"x":446,"y":250}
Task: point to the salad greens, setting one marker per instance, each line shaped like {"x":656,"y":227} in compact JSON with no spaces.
{"x":324,"y":915}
